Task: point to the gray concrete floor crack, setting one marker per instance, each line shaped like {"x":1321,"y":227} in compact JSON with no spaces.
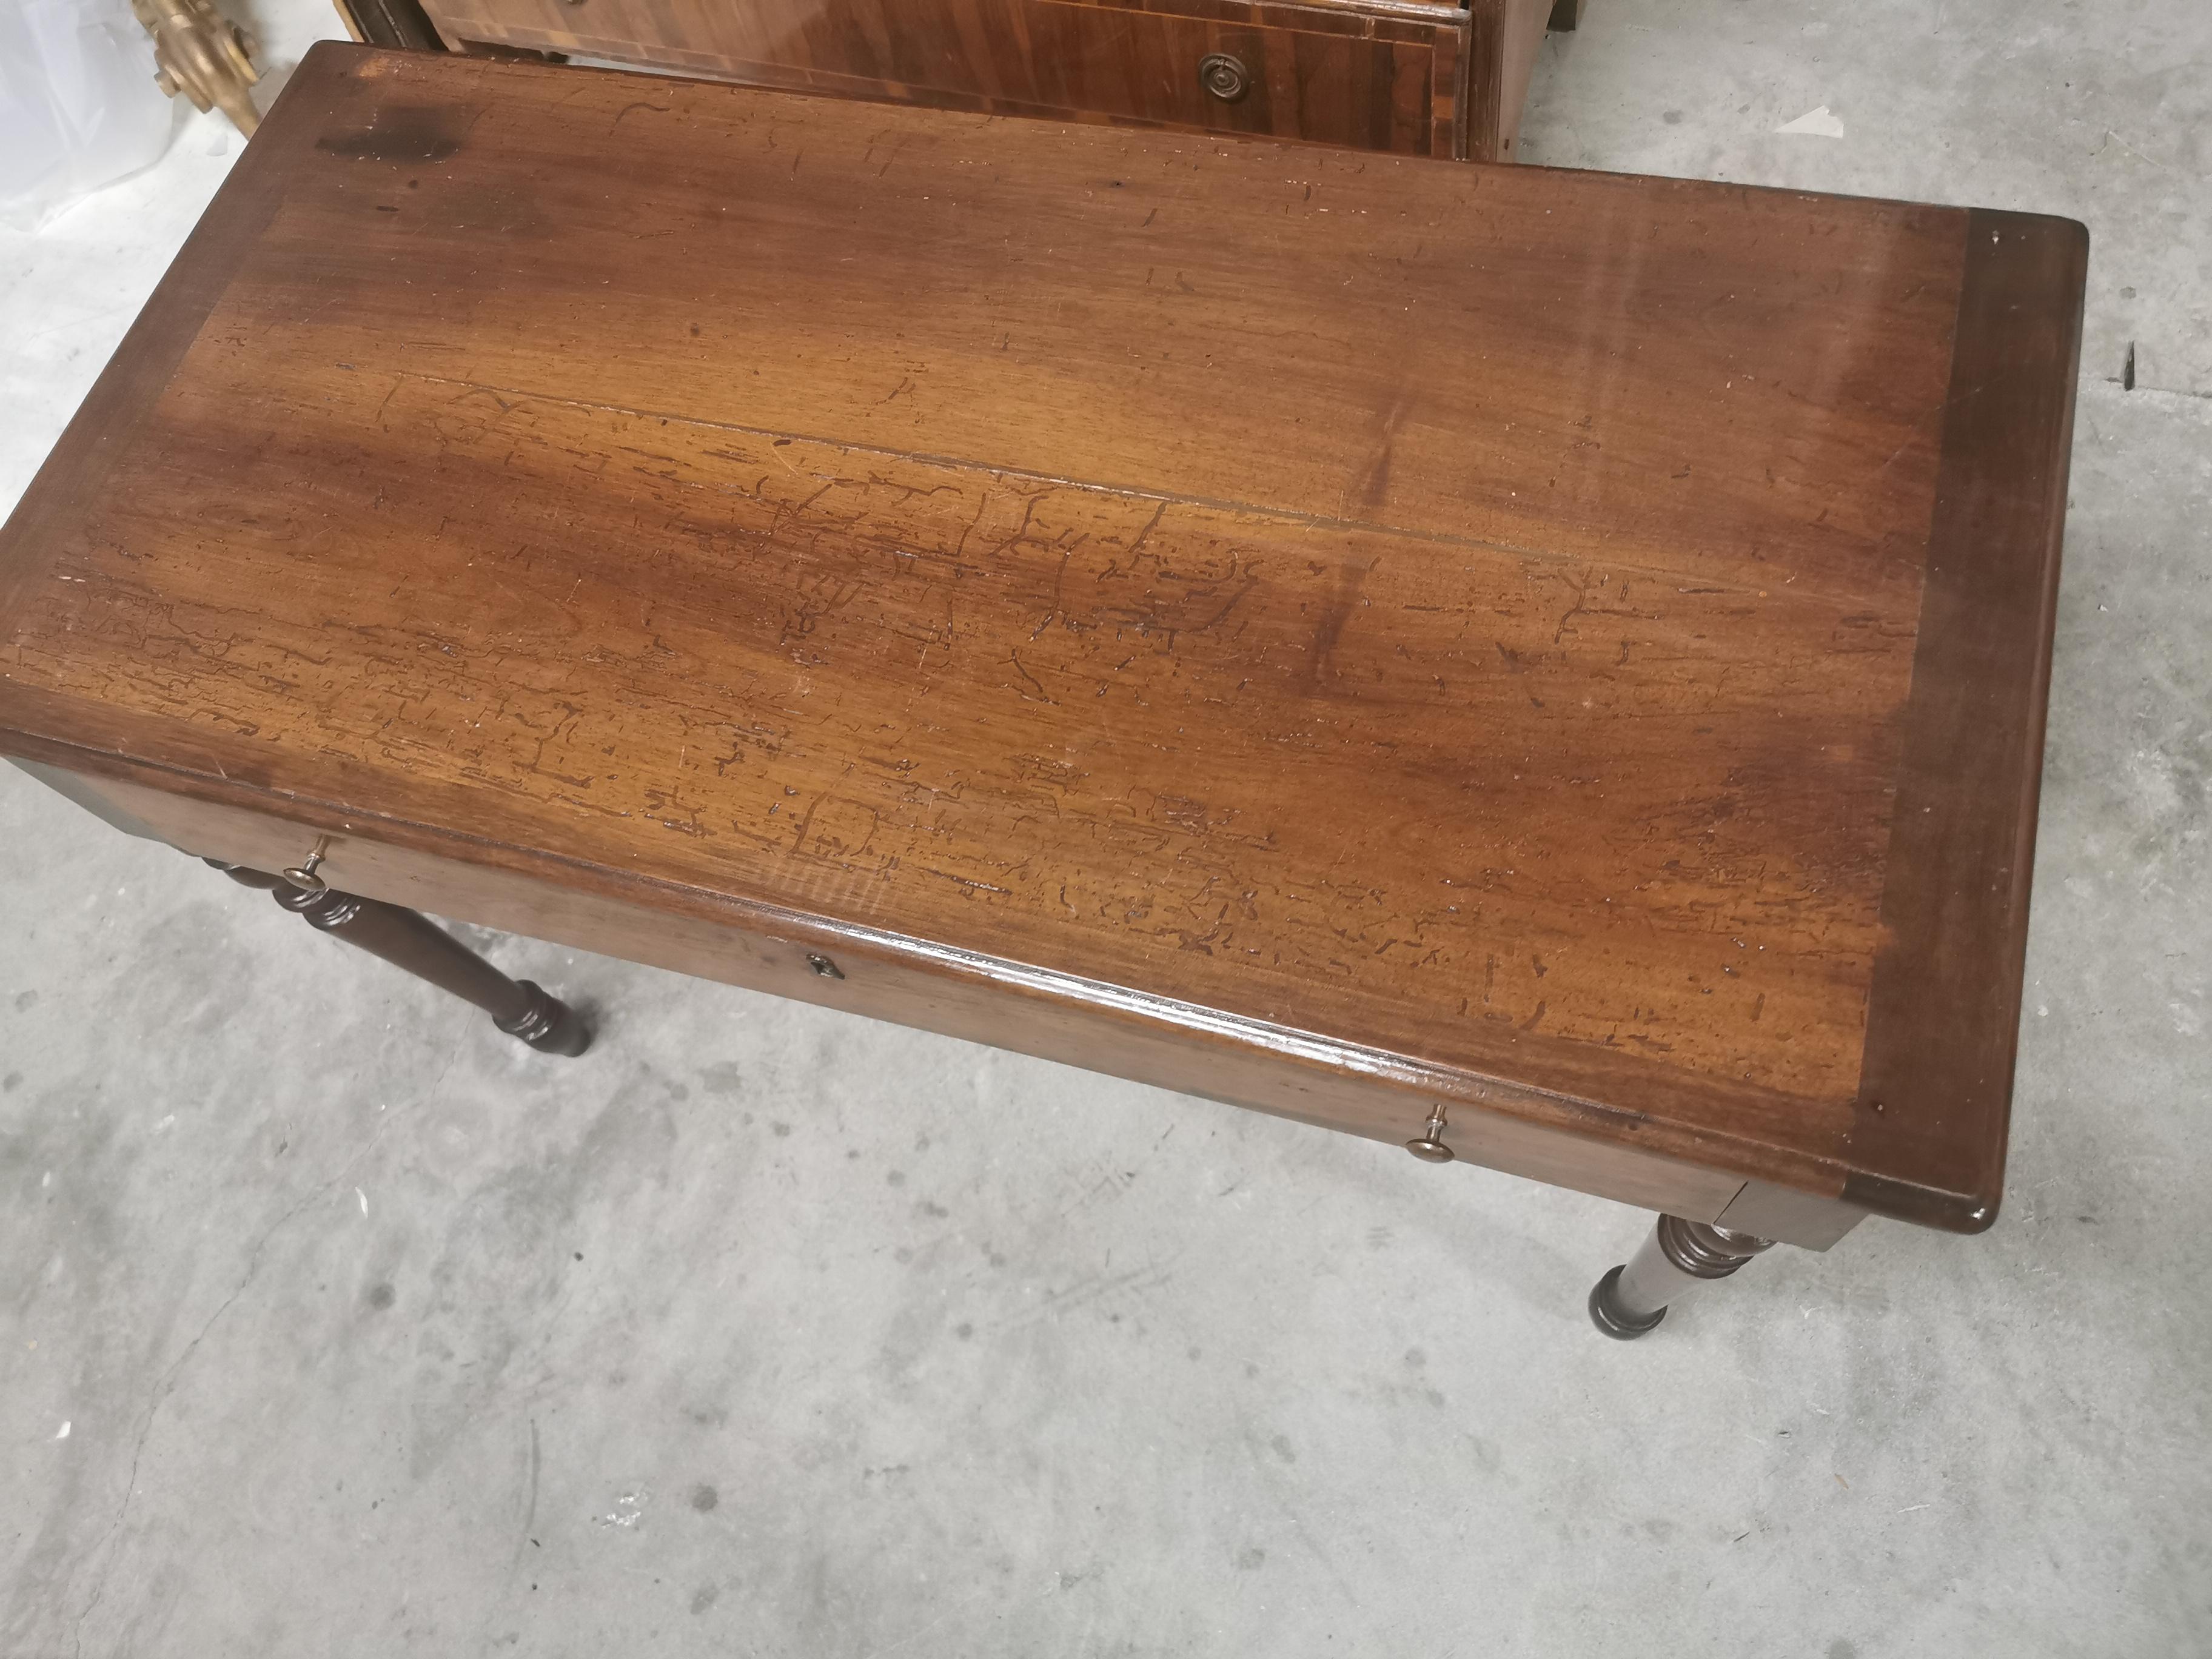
{"x":168,"y":1383}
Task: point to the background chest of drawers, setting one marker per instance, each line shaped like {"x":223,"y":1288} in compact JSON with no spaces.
{"x":1413,"y":77}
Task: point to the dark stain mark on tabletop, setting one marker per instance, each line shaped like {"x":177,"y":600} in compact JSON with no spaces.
{"x":399,"y":135}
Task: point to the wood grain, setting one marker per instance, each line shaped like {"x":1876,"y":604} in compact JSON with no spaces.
{"x":1504,"y":39}
{"x":1083,"y":1023}
{"x":1357,"y":73}
{"x":1465,"y":616}
{"x":1944,"y":1005}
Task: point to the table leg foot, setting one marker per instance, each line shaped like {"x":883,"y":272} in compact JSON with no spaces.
{"x":1680,"y":1255}
{"x":1612,"y":1316}
{"x":547,"y":1024}
{"x":407,"y":939}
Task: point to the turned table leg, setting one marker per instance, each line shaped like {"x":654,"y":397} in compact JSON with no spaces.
{"x":407,"y":940}
{"x":1678,"y":1257}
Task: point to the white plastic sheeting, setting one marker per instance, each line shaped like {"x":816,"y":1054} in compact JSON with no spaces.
{"x":78,"y":105}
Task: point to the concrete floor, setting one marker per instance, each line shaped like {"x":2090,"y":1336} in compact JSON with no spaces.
{"x":333,"y":1322}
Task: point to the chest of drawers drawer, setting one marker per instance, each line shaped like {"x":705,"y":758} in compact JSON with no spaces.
{"x":1406,"y":77}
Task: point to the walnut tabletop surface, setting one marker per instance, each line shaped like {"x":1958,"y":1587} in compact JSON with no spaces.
{"x":1568,"y":648}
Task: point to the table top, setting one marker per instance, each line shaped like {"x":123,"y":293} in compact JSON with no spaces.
{"x":1584,"y":634}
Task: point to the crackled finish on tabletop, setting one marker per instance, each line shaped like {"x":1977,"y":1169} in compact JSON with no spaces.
{"x":1472,"y":616}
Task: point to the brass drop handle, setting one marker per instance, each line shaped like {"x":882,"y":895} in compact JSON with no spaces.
{"x":1430,"y":1148}
{"x":303,"y":875}
{"x":1225,"y":76}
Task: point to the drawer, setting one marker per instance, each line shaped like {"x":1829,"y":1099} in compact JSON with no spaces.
{"x":1385,"y":76}
{"x":910,"y":982}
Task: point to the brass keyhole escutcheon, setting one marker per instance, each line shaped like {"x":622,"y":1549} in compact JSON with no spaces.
{"x":303,"y":875}
{"x":1225,"y":76}
{"x":1430,"y":1148}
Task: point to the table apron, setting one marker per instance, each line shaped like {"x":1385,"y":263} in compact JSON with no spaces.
{"x":859,"y":977}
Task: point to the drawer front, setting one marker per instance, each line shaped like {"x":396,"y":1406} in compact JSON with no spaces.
{"x":1096,"y":1028}
{"x":1388,"y":79}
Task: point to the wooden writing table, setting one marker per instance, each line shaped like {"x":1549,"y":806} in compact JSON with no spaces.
{"x":1547,"y":668}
